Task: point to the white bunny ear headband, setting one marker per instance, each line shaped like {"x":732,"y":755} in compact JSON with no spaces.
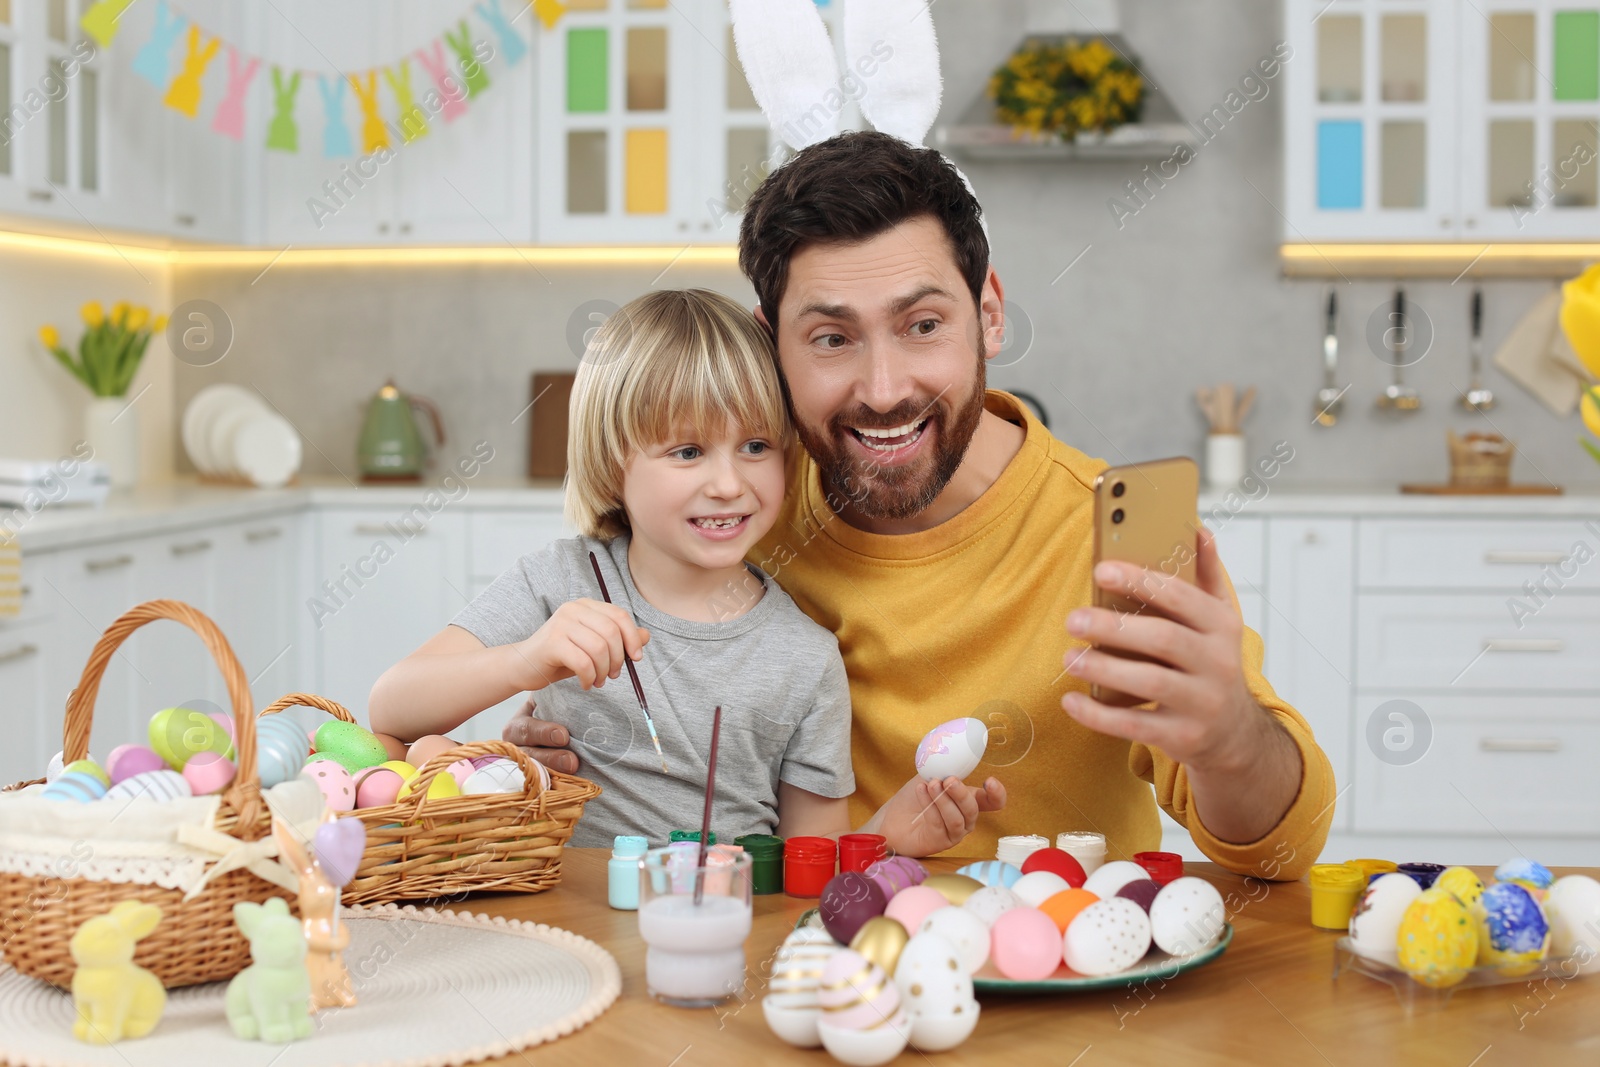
{"x":790,"y":65}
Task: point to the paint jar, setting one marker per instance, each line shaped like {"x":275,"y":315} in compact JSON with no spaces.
{"x":1162,"y":867}
{"x":690,"y":835}
{"x":1089,"y":849}
{"x":1425,"y":874}
{"x":1335,"y":888}
{"x":622,"y":872}
{"x":1372,"y":868}
{"x":766,"y":862}
{"x":808,"y":864}
{"x":1015,"y":849}
{"x":857,"y":852}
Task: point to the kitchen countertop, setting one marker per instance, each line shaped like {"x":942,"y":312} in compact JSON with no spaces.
{"x":1270,"y":998}
{"x":187,"y":502}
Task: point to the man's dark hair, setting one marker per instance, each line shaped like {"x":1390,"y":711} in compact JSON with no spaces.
{"x":852,"y":188}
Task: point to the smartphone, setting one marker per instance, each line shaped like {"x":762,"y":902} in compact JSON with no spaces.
{"x":1145,"y":514}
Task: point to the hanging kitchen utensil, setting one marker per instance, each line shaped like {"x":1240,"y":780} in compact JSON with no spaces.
{"x":1330,"y":398}
{"x":1399,"y":396}
{"x":1477,"y":397}
{"x":391,"y":448}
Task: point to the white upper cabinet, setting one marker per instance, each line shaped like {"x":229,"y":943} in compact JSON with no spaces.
{"x":648,"y":132}
{"x":1436,"y":120}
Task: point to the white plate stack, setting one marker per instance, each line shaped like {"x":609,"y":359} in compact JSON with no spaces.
{"x":230,"y":432}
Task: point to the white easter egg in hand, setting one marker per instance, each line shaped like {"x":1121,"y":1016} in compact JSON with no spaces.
{"x":953,"y":748}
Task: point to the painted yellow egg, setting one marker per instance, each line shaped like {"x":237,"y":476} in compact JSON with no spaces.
{"x":1438,"y":939}
{"x":1461,"y":883}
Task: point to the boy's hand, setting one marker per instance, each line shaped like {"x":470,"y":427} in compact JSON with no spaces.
{"x":584,"y":639}
{"x":928,"y":817}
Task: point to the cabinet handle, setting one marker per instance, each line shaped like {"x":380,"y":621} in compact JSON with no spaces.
{"x":1523,"y":644}
{"x":267,"y":534}
{"x":683,"y":226}
{"x":383,"y":227}
{"x":20,"y":652}
{"x":95,"y":566}
{"x":1514,"y":556}
{"x":405,"y":227}
{"x":43,"y":196}
{"x":1444,"y":222}
{"x":1520,"y":744}
{"x":27,"y":591}
{"x":1311,"y":537}
{"x":183,"y":220}
{"x":191,"y":548}
{"x":373,"y":529}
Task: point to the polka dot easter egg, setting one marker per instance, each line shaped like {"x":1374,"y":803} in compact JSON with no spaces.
{"x":1106,"y":937}
{"x":936,"y":991}
{"x":1513,"y":934}
{"x":338,"y":788}
{"x":991,"y":902}
{"x":1438,"y":939}
{"x":965,"y":932}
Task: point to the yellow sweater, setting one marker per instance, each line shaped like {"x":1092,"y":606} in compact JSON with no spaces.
{"x":967,"y":619}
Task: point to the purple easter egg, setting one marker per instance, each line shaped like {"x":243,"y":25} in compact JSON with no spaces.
{"x":461,"y":770}
{"x":339,"y":845}
{"x":897,"y":873}
{"x":480,"y":762}
{"x":126,"y":761}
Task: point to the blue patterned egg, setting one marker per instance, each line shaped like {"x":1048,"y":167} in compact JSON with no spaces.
{"x":992,"y":873}
{"x":151,"y":785}
{"x":1533,"y":876}
{"x":76,"y":786}
{"x":281,"y":749}
{"x":1513,"y":934}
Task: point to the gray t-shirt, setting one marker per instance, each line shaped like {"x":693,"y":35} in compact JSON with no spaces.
{"x":777,"y":674}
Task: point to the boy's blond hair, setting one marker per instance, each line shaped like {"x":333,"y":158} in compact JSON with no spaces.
{"x":669,"y":359}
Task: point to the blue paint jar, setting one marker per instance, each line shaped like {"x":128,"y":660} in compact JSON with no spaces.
{"x":622,"y":872}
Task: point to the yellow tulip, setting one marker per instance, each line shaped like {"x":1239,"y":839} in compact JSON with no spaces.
{"x":159,"y":325}
{"x":138,"y":317}
{"x":1590,"y":406}
{"x":49,"y":336}
{"x":92,"y":313}
{"x":1580,"y":317}
{"x":119,"y":312}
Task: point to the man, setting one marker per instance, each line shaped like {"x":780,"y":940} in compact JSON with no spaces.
{"x":945,"y":537}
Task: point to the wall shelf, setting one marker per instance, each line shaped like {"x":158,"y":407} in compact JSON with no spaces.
{"x":1445,"y":259}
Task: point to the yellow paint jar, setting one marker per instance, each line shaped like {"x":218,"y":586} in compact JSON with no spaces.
{"x":1372,"y":867}
{"x":1335,"y":888}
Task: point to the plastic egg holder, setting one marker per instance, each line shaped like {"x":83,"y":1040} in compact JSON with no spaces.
{"x":1555,"y":968}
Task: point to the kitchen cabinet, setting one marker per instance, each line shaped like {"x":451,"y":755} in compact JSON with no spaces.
{"x":648,"y":132}
{"x":93,"y":585}
{"x":258,"y":567}
{"x":1437,"y":121}
{"x":469,"y":180}
{"x":31,"y":735}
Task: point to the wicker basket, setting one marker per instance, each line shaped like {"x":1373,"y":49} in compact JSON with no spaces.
{"x":431,"y":848}
{"x":1480,"y":460}
{"x":195,"y":941}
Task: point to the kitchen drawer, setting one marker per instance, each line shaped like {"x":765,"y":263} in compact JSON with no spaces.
{"x":1492,"y":765}
{"x":1475,"y":554}
{"x":497,"y":539}
{"x":1242,"y":544}
{"x":38,"y":589}
{"x":1472,"y":641}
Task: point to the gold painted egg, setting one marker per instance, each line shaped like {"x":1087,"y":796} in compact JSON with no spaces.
{"x":955,"y":888}
{"x":797,"y":968}
{"x":881,"y":940}
{"x":1438,"y":939}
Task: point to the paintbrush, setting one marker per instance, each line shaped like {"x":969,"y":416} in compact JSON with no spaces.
{"x":633,"y":675}
{"x":705,"y":819}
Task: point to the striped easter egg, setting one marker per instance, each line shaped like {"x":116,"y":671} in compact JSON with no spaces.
{"x":76,"y":786}
{"x":992,"y":873}
{"x":153,"y":785}
{"x":281,"y":749}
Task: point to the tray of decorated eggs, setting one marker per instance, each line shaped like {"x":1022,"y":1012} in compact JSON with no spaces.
{"x":1524,"y":927}
{"x":893,"y":955}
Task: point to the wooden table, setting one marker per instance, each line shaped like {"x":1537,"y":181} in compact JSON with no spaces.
{"x":1270,"y":998}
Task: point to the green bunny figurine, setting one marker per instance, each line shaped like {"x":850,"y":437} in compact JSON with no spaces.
{"x":270,"y":1000}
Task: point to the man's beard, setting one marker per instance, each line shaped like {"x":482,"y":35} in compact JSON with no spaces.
{"x":878,"y":492}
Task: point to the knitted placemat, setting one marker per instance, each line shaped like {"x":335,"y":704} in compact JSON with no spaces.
{"x":434,"y":987}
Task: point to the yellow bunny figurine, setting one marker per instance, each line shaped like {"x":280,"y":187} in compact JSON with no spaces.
{"x":115,"y":998}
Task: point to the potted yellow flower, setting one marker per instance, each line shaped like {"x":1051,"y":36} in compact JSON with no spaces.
{"x":1580,"y":321}
{"x":108,"y":357}
{"x":1066,"y":89}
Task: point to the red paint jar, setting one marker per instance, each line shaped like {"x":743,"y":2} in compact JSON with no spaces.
{"x":807,"y":865}
{"x":857,"y":852}
{"x":1162,"y":867}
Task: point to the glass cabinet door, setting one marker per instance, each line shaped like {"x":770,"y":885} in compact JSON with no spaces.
{"x":1531,"y":108}
{"x":1370,"y":120}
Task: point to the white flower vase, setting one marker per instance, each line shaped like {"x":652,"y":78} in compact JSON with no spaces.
{"x":111,"y":428}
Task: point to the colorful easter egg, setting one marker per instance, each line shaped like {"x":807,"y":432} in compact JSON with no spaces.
{"x":848,"y":900}
{"x":74,"y":786}
{"x":1025,"y":945}
{"x":178,"y":733}
{"x":956,"y":888}
{"x":502,"y":776}
{"x":208,"y":772}
{"x":910,"y":906}
{"x":460,"y":770}
{"x":1057,"y":861}
{"x":1461,"y":883}
{"x":442,"y":786}
{"x":1438,"y":939}
{"x":1533,"y":876}
{"x":855,"y":993}
{"x":952,"y":749}
{"x":352,"y":746}
{"x":224,"y":720}
{"x":281,"y":749}
{"x":89,"y":767}
{"x":378,"y":787}
{"x":897,"y":873}
{"x":992,"y":873}
{"x":126,"y":761}
{"x":1067,"y":905}
{"x":1513,"y":934}
{"x":160,"y":785}
{"x":881,"y":940}
{"x":338,"y":790}
{"x":1375,"y":921}
{"x":790,"y":1006}
{"x":1141,"y":893}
